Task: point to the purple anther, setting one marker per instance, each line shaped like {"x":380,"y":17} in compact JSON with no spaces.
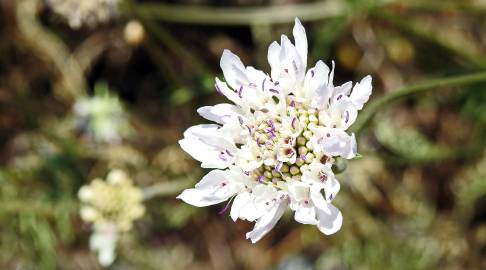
{"x":347,"y":116}
{"x":276,"y":83}
{"x":302,"y":157}
{"x":260,"y":178}
{"x":271,"y":124}
{"x":252,"y":85}
{"x":292,"y":103}
{"x":228,"y":152}
{"x":279,"y":166}
{"x":240,"y":92}
{"x":339,"y":97}
{"x":247,"y":173}
{"x":249,"y":130}
{"x":312,"y":73}
{"x":272,"y":134}
{"x":293,"y":122}
{"x":294,"y":65}
{"x":222,"y":156}
{"x":328,"y":135}
{"x":330,"y":197}
{"x":240,"y":119}
{"x":323,"y":177}
{"x":274,"y":91}
{"x":286,"y":70}
{"x":263,"y":84}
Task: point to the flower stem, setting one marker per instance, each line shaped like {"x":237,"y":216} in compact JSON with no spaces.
{"x":240,"y":16}
{"x":435,"y":84}
{"x":167,"y":188}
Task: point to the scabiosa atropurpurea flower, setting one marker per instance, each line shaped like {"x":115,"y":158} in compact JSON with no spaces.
{"x":274,"y":147}
{"x":111,"y":206}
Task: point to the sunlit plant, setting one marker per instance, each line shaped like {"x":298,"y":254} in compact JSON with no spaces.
{"x":274,"y":147}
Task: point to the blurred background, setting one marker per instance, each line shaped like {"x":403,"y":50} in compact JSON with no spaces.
{"x":87,"y":87}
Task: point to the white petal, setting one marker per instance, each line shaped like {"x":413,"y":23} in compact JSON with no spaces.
{"x":306,"y":214}
{"x":316,"y":89}
{"x":344,"y":89}
{"x":334,"y":142}
{"x":267,"y":222}
{"x":240,"y":201}
{"x":361,"y":92}
{"x":215,"y":187}
{"x":224,"y":90}
{"x":220,"y":113}
{"x":343,"y":111}
{"x":274,"y":59}
{"x":233,"y":70}
{"x":207,"y":145}
{"x":300,"y":41}
{"x":330,"y":220}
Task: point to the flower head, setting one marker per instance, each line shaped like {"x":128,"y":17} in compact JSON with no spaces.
{"x":85,"y":12}
{"x":103,"y":116}
{"x":273,"y":148}
{"x":111,"y":206}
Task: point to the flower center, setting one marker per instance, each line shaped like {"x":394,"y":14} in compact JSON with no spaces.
{"x":285,"y":144}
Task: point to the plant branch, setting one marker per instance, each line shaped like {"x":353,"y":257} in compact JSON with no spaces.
{"x":431,"y":85}
{"x":240,"y":16}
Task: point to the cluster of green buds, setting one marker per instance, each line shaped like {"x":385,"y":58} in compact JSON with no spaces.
{"x":302,"y":148}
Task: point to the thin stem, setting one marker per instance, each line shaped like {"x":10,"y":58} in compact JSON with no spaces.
{"x":167,"y":188}
{"x":240,"y":16}
{"x":436,"y":84}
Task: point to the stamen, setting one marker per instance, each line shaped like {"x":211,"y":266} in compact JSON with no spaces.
{"x":322,"y":177}
{"x":260,"y":178}
{"x":292,"y":104}
{"x":263,"y":84}
{"x":240,"y":92}
{"x":274,"y":91}
{"x":222,"y":156}
{"x":312,"y":73}
{"x":346,"y":117}
{"x":218,"y":90}
{"x":293,"y":122}
{"x":229,"y":153}
{"x":222,"y":211}
{"x":279,"y":166}
{"x":340,"y":96}
{"x":249,"y":130}
{"x":240,"y":119}
{"x":276,"y":83}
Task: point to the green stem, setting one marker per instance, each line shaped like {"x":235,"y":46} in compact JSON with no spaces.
{"x":436,"y":84}
{"x":167,"y":188}
{"x":240,"y":16}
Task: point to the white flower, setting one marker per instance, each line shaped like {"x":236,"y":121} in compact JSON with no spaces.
{"x":103,"y":116}
{"x":111,"y":206}
{"x":273,"y":148}
{"x":89,"y":12}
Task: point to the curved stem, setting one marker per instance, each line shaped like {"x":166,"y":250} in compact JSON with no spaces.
{"x":435,"y":84}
